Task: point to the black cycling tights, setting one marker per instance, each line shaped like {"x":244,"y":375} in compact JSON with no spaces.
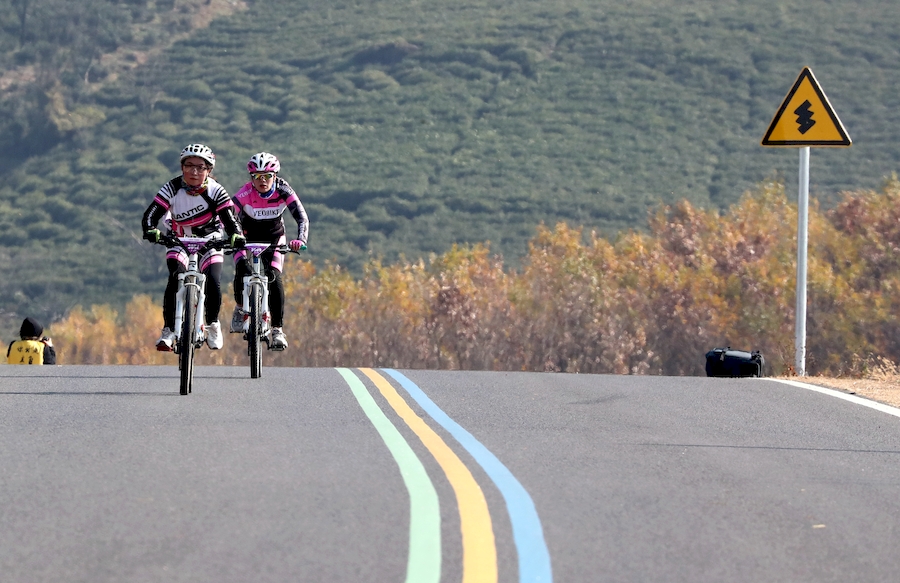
{"x":276,"y":291}
{"x":213,"y":301}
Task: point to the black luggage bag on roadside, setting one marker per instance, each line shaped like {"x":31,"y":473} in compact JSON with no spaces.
{"x":725,"y":362}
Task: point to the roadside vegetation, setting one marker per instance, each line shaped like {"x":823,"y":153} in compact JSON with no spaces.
{"x":408,"y":127}
{"x":649,"y":303}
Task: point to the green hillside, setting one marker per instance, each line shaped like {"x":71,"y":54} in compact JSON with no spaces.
{"x":409,"y":125}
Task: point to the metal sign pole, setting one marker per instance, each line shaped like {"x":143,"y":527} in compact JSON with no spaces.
{"x":804,"y":119}
{"x":802,"y":230}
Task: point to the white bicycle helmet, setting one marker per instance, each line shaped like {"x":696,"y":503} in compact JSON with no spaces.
{"x":200,"y":151}
{"x":263,"y":162}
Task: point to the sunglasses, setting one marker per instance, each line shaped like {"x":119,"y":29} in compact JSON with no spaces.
{"x":262,"y":175}
{"x":195,"y":167}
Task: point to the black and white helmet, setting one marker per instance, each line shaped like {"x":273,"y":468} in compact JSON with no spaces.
{"x":200,"y":151}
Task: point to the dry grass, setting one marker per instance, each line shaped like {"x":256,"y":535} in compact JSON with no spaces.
{"x":880,"y":382}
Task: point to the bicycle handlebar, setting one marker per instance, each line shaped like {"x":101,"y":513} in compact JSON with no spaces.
{"x":279,"y":248}
{"x":171,"y":241}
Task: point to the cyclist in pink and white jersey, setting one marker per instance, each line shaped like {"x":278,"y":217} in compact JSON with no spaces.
{"x":261,"y":204}
{"x":194,"y":205}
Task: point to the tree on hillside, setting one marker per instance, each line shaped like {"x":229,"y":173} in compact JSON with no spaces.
{"x":21,"y":7}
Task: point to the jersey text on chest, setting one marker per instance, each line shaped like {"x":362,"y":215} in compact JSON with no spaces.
{"x":264,"y":213}
{"x":181,"y":215}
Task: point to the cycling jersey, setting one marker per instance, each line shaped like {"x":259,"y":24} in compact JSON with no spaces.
{"x":195,"y":215}
{"x":261,"y":216}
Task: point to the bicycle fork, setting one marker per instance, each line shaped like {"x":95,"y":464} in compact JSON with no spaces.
{"x":198,"y":281}
{"x":258,"y":278}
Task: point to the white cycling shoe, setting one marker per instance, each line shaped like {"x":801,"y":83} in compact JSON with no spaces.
{"x":214,"y":335}
{"x":166,"y":341}
{"x":279,"y":342}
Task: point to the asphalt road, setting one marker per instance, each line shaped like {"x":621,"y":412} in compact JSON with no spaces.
{"x":107,"y":474}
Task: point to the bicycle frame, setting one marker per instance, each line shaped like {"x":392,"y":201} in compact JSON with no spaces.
{"x":193,"y":277}
{"x":190,"y":299}
{"x":257,"y":277}
{"x":257,"y":316}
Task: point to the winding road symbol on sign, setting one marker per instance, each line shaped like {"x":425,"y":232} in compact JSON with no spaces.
{"x":804,"y":117}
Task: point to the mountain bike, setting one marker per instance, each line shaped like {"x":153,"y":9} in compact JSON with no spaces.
{"x":257,"y":318}
{"x":190,"y":329}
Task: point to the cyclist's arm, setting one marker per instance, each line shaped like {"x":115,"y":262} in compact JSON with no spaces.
{"x":160,"y":205}
{"x":225,"y":210}
{"x":299,"y":214}
{"x":297,"y":211}
{"x":229,"y":219}
{"x":152,"y":215}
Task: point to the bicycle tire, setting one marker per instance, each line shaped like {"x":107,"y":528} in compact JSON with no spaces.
{"x":254,"y":334}
{"x":186,"y":356}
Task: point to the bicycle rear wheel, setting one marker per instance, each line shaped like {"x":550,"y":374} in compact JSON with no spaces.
{"x":254,"y":335}
{"x":186,"y":355}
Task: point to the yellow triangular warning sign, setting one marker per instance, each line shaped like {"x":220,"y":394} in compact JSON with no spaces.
{"x":805,"y":118}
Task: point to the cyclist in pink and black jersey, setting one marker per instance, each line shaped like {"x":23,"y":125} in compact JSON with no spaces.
{"x":260,"y":205}
{"x":194,"y":205}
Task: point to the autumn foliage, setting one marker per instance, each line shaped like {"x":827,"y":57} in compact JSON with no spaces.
{"x":648,"y":303}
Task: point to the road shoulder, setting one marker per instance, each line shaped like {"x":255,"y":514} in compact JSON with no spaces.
{"x":883,"y":391}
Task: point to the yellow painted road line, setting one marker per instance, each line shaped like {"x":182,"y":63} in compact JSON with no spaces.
{"x":479,"y":548}
{"x":424,"y":562}
{"x":534,"y":556}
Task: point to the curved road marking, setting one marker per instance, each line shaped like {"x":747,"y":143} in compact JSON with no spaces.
{"x":852,"y":398}
{"x":534,"y":557}
{"x":424,"y":562}
{"x":479,"y":548}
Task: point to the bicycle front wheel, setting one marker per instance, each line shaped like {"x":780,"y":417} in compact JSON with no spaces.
{"x":254,"y":335}
{"x":188,"y":340}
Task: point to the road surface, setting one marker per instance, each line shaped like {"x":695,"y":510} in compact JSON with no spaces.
{"x":107,"y":474}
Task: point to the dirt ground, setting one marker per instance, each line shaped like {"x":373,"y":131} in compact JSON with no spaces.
{"x":885,"y":391}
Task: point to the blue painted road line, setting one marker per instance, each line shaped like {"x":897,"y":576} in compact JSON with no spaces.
{"x":534,"y":557}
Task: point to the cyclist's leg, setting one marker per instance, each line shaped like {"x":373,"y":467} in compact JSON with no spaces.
{"x":175,"y":267}
{"x":276,"y":297}
{"x":276,"y":309}
{"x":213,"y":303}
{"x":274,"y":261}
{"x":241,"y":270}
